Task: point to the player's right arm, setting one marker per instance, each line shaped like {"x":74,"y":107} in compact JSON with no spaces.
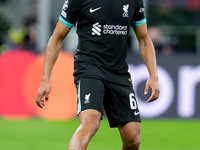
{"x":50,"y":57}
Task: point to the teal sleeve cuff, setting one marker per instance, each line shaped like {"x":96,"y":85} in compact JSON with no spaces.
{"x":139,"y":23}
{"x":67,"y":24}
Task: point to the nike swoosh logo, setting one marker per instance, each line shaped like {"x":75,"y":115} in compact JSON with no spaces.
{"x":136,"y":113}
{"x":93,"y":10}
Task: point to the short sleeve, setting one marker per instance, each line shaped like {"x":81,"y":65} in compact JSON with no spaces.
{"x":70,"y":13}
{"x":139,"y":16}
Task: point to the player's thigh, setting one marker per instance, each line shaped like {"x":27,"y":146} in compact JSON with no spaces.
{"x":130,"y":131}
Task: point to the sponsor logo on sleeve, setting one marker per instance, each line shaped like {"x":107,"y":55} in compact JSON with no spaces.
{"x":64,"y":8}
{"x":142,"y":9}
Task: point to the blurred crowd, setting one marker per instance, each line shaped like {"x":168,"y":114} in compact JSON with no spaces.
{"x":22,"y":37}
{"x":173,"y":26}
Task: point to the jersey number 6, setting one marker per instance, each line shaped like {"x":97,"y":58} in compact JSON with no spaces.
{"x":133,"y":103}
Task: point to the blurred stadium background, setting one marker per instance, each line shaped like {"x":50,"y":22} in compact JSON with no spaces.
{"x":172,"y":122}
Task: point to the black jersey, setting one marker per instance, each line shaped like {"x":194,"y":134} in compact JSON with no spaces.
{"x":102,"y":28}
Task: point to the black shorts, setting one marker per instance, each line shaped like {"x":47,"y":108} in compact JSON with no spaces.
{"x":118,"y":101}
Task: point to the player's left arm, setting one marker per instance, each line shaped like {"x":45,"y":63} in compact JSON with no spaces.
{"x":147,"y":52}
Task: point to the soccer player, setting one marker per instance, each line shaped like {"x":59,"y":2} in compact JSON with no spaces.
{"x":100,"y":69}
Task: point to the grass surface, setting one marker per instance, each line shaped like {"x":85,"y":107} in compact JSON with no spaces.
{"x":156,"y":134}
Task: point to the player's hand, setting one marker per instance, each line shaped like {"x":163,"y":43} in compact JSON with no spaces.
{"x":152,"y":84}
{"x":44,"y":90}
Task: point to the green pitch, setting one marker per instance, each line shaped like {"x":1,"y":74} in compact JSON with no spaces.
{"x":156,"y":134}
